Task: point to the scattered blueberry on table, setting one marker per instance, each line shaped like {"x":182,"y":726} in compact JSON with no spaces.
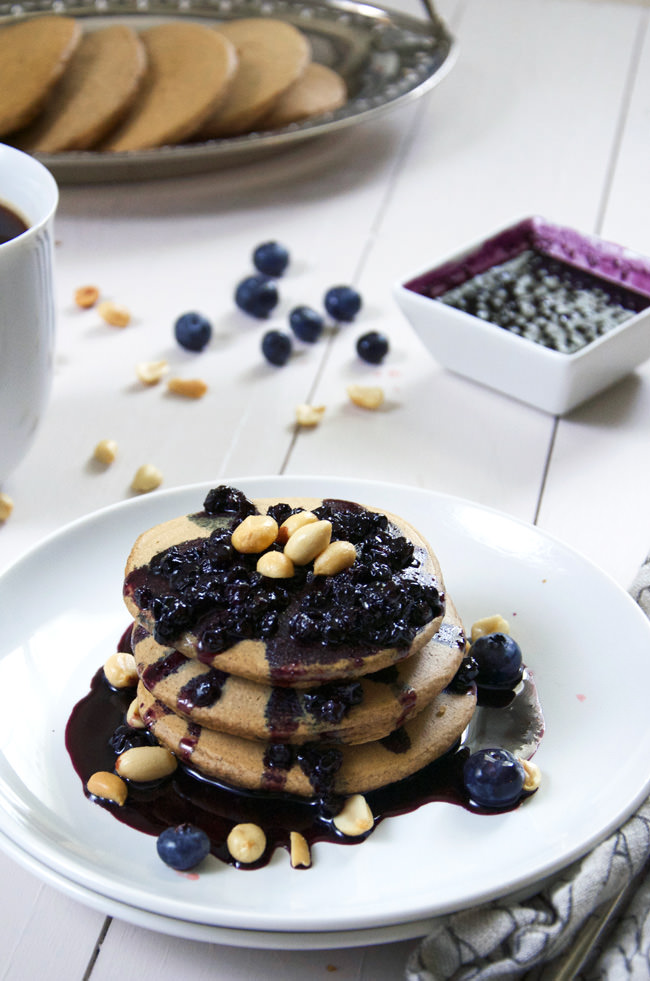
{"x":372,"y":347}
{"x":493,"y":778}
{"x":342,"y":303}
{"x":306,"y":323}
{"x":276,"y":347}
{"x":192,"y":331}
{"x":183,"y":847}
{"x":271,"y":258}
{"x":257,"y":295}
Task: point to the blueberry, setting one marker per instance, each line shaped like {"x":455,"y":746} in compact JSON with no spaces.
{"x":342,"y":303}
{"x":228,"y":500}
{"x":465,"y":676}
{"x":307,"y":324}
{"x":271,"y":258}
{"x":125,"y":737}
{"x":499,"y":661}
{"x":257,"y":296}
{"x":493,"y":778}
{"x":372,"y":347}
{"x":192,"y":331}
{"x":183,"y":847}
{"x":276,"y":347}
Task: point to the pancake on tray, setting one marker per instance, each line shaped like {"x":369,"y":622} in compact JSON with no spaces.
{"x":272,"y":56}
{"x":94,"y":93}
{"x":33,"y":56}
{"x":189,"y":69}
{"x":319,"y":89}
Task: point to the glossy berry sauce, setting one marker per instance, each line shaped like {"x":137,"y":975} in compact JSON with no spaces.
{"x":216,"y":808}
{"x":96,"y":733}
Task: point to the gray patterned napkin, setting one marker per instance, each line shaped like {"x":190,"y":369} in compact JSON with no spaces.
{"x":534,"y":939}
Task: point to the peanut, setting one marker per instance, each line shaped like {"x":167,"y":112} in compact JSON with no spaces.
{"x":105,"y":451}
{"x":308,"y":542}
{"x":6,"y":506}
{"x":146,"y":478}
{"x":113,"y":314}
{"x":246,"y":843}
{"x":309,"y":415}
{"x":120,"y":670}
{"x":151,"y":372}
{"x":300,"y":853}
{"x":336,"y":557}
{"x":275,"y":565}
{"x":292,"y":523}
{"x":133,"y":717}
{"x":255,"y":533}
{"x":355,"y":818}
{"x":489,"y":625}
{"x":86,"y":297}
{"x":107,"y":786}
{"x":145,"y":763}
{"x":190,"y":388}
{"x":533,"y":773}
{"x":366,"y":396}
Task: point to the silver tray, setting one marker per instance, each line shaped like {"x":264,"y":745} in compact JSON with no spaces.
{"x":386,"y":58}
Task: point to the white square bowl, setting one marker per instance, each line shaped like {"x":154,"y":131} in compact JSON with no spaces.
{"x":519,"y":367}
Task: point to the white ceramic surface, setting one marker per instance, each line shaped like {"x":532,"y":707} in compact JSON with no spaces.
{"x":524,"y":369}
{"x":27,"y":321}
{"x":62,"y":614}
{"x":207,"y":933}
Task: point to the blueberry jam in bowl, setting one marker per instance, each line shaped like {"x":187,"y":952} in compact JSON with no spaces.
{"x":537,"y":311}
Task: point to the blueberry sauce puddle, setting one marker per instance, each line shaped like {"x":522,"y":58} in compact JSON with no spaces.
{"x":214,"y":807}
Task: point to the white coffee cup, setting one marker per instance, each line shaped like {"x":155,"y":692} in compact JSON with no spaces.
{"x":27,"y":321}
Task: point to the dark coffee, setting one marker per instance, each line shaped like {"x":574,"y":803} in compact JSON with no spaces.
{"x":11,"y":224}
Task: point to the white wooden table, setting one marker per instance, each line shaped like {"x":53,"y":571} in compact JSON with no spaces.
{"x":546,"y":112}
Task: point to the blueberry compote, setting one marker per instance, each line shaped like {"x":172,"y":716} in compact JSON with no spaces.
{"x":544,"y":300}
{"x":207,"y":589}
{"x":96,"y":733}
{"x":545,"y":283}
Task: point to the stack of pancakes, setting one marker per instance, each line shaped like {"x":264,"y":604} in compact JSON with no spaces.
{"x":113,"y":88}
{"x":285,"y":713}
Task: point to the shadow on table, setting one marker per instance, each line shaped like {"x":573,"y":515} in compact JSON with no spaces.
{"x":613,"y":407}
{"x":326,"y":167}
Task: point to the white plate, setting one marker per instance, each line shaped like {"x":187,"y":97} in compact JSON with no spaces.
{"x":62,"y":613}
{"x":204,"y":933}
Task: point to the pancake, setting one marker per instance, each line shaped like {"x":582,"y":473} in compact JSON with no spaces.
{"x":96,"y":90}
{"x":189,"y":68}
{"x":243,"y":762}
{"x":226,"y":703}
{"x":33,"y":56}
{"x":309,"y":629}
{"x":319,"y":89}
{"x":272,"y":56}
